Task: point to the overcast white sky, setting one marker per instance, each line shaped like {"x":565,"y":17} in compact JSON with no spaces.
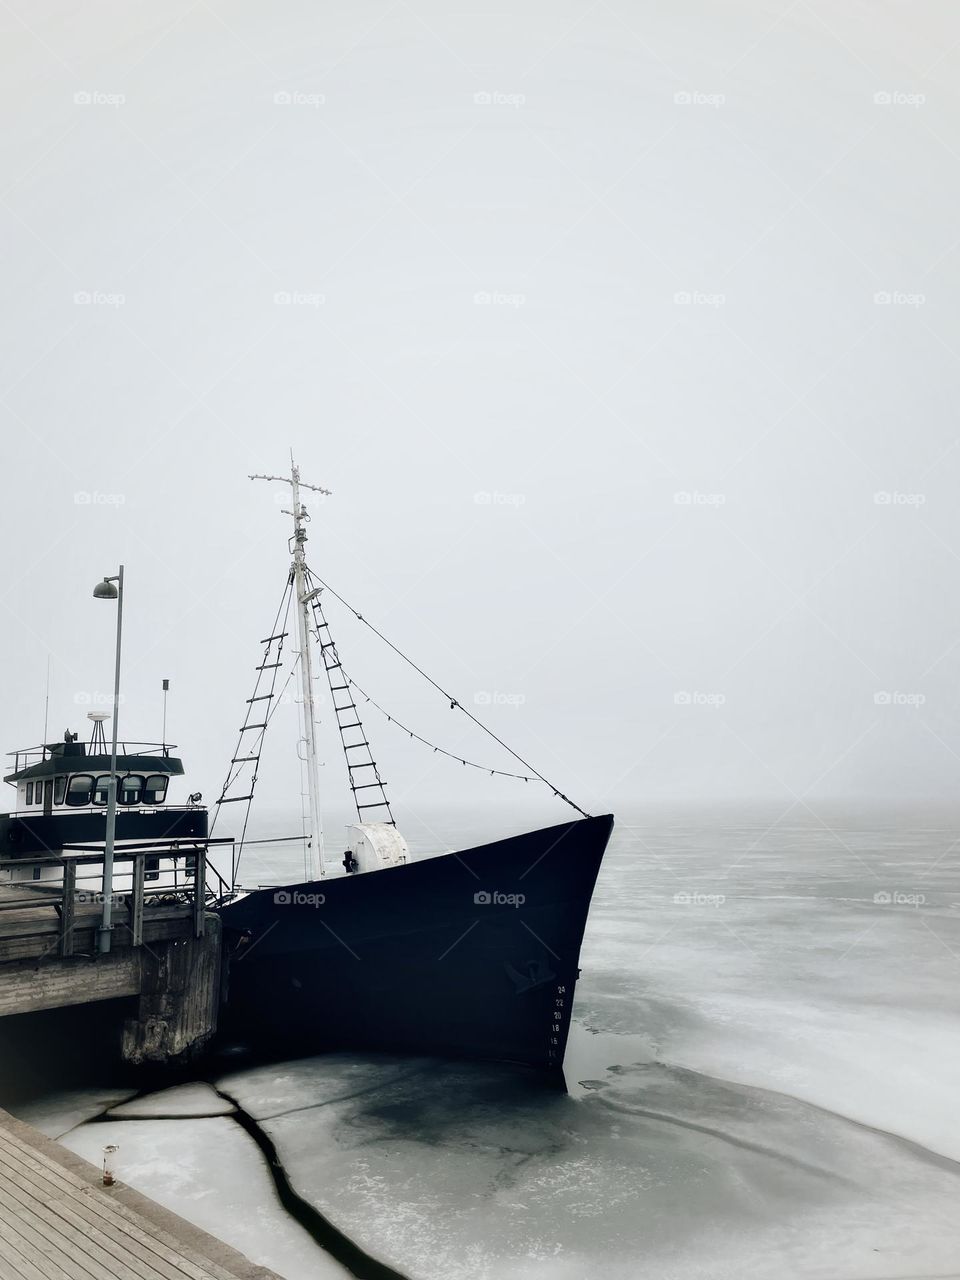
{"x":606,"y":324}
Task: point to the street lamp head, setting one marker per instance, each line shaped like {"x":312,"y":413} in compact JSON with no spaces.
{"x":105,"y":590}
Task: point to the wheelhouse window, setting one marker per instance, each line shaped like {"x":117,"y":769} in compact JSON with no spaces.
{"x":29,"y":798}
{"x":101,"y":792}
{"x":155,"y":789}
{"x":59,"y":789}
{"x":79,"y":790}
{"x":131,"y":788}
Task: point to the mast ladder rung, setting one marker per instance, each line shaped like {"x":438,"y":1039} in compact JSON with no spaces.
{"x":247,"y":727}
{"x":281,"y":635}
{"x":243,"y":759}
{"x":340,"y":682}
{"x":234,"y":799}
{"x":268,"y":666}
{"x":260,"y":697}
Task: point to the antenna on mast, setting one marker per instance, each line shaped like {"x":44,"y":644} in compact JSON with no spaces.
{"x":298,"y":576}
{"x":46,"y":704}
{"x":163,"y":736}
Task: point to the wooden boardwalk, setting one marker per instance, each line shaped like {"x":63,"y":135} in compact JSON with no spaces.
{"x":31,"y":924}
{"x":57,"y":1222}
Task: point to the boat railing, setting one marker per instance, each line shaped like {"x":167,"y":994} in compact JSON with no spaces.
{"x":24,"y":757}
{"x":189,"y":881}
{"x":68,"y":810}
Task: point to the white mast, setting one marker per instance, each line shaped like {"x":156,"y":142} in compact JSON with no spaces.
{"x":304,"y":597}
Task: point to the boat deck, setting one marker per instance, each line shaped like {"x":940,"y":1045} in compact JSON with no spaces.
{"x":58,"y":1222}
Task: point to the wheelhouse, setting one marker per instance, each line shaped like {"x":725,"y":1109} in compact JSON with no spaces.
{"x":63,"y":789}
{"x":75,"y":775}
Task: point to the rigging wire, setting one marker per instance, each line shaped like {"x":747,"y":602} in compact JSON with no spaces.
{"x":355,"y":767}
{"x":454,"y":704}
{"x":471,"y":764}
{"x":276,"y":707}
{"x":303,"y":837}
{"x":282,"y":611}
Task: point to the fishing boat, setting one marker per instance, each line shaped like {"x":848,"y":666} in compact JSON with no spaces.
{"x":471,"y":953}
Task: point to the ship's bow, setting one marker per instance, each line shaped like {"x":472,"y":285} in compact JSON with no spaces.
{"x":471,"y":954}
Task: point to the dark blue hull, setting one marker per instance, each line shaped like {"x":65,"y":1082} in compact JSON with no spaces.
{"x":471,"y":954}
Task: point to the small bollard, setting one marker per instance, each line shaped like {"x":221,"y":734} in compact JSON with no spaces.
{"x":108,"y":1161}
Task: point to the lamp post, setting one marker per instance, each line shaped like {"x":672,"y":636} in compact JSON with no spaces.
{"x":105,"y":590}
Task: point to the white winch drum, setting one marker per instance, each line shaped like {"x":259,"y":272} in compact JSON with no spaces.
{"x":376,"y":846}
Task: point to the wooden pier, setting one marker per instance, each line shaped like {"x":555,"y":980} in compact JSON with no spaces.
{"x":165,"y":946}
{"x":58,"y":1222}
